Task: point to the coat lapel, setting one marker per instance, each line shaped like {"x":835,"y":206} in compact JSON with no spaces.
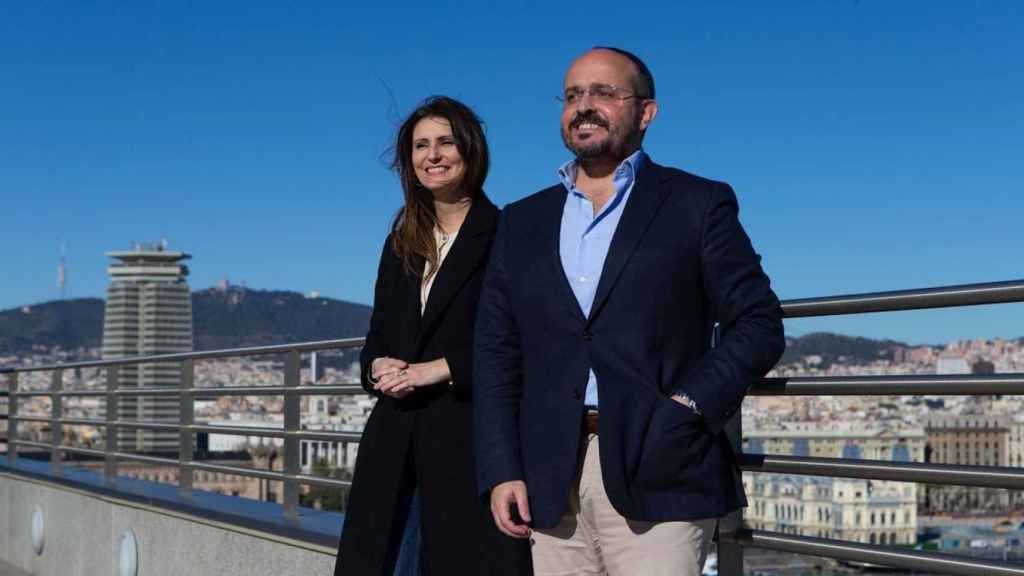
{"x":551,"y":227}
{"x":466,"y":255}
{"x":645,"y":199}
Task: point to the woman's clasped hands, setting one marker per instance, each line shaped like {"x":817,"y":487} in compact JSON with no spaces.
{"x":397,"y":378}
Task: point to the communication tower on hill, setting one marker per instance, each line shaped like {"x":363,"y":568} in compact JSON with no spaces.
{"x":62,"y":270}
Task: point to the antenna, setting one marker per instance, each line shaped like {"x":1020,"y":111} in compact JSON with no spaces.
{"x":62,"y":273}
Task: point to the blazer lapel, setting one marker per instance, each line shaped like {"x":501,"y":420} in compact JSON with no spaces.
{"x":646,"y":197}
{"x":551,"y":226}
{"x":469,"y":250}
{"x":411,"y":300}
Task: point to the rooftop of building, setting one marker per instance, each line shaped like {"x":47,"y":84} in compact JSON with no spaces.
{"x":149,"y":252}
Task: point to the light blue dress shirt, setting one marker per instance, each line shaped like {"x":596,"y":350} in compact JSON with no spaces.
{"x":585,"y":237}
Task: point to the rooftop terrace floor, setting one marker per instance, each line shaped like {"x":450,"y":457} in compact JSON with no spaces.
{"x":8,"y":570}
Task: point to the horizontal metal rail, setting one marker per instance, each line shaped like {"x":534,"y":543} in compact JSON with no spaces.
{"x":206,"y":392}
{"x":323,"y":482}
{"x":237,"y":471}
{"x":120,"y":455}
{"x":354,"y":437}
{"x":325,"y":436}
{"x":903,"y":385}
{"x":918,"y":299}
{"x":19,"y":418}
{"x":144,"y":459}
{"x":981,"y":476}
{"x":204,"y":466}
{"x":325,"y":389}
{"x":60,"y":393}
{"x":29,"y":444}
{"x":83,"y":451}
{"x":315,"y":390}
{"x":913,"y":385}
{"x":316,"y":346}
{"x":877,"y":555}
{"x":145,"y":425}
{"x":97,"y":422}
{"x":271,"y":475}
{"x":237,"y":430}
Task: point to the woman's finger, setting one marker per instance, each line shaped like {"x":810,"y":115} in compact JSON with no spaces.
{"x":389,"y":381}
{"x":406,"y":382}
{"x":401,"y":379}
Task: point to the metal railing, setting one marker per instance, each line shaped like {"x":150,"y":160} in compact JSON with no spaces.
{"x":733,"y":537}
{"x":292,"y":432}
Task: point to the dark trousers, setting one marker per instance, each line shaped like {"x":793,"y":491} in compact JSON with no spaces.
{"x":409,"y":552}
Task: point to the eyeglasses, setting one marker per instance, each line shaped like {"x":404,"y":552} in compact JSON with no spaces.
{"x":603,"y":93}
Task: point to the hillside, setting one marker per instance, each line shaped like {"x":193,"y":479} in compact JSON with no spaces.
{"x":831,"y":347}
{"x":68,"y":324}
{"x":238,"y":317}
{"x":221,"y":319}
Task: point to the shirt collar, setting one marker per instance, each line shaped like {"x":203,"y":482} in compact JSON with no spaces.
{"x":627,"y":170}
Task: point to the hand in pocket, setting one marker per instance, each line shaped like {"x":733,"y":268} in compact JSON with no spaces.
{"x":675,"y":446}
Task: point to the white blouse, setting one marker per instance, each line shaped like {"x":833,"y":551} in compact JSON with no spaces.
{"x":444,"y":242}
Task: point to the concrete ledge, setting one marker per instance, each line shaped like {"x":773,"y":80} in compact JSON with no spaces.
{"x":315,"y":527}
{"x":84,"y":524}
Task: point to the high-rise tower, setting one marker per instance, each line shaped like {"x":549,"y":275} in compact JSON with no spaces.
{"x":149,"y":311}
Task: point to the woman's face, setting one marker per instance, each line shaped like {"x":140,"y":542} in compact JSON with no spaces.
{"x":438,"y":164}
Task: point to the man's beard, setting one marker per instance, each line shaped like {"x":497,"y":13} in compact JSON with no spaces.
{"x":615,"y":146}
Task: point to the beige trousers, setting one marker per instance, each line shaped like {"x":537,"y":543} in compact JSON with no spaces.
{"x":593,"y":539}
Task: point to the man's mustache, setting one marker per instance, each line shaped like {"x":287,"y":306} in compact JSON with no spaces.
{"x":590,"y":117}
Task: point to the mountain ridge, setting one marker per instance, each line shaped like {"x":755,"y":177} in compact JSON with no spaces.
{"x":221,"y":318}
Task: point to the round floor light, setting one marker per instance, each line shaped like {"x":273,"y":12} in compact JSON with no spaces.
{"x":38,"y":530}
{"x":128,"y":561}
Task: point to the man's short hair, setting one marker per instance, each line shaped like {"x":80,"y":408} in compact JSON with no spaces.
{"x":645,"y":80}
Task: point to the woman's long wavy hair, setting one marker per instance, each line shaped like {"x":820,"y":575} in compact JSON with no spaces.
{"x":412,"y":232}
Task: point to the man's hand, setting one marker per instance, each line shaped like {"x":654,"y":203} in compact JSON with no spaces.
{"x":688,"y":402}
{"x":510,"y":508}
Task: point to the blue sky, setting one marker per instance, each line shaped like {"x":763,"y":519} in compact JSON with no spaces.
{"x":873,"y":145}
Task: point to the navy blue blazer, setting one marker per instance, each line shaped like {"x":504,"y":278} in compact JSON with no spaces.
{"x":679,"y":261}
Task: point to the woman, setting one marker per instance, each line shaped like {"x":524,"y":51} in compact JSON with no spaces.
{"x":418,"y":362}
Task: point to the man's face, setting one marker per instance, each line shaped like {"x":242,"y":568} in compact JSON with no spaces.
{"x":602,"y":127}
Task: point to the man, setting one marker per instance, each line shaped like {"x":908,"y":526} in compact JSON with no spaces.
{"x":602,"y":293}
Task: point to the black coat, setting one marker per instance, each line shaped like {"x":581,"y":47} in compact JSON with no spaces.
{"x":425,"y":439}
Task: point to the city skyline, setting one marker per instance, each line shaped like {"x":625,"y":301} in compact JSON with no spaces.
{"x":872,"y":147}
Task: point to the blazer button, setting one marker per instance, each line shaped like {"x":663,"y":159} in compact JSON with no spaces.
{"x":587,"y":336}
{"x":577,"y":394}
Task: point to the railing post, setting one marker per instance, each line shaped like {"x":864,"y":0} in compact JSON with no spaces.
{"x":730,"y":552}
{"x":110,"y":444}
{"x":12,"y":418}
{"x":292,"y":420}
{"x":185,"y":436}
{"x":56,"y":413}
